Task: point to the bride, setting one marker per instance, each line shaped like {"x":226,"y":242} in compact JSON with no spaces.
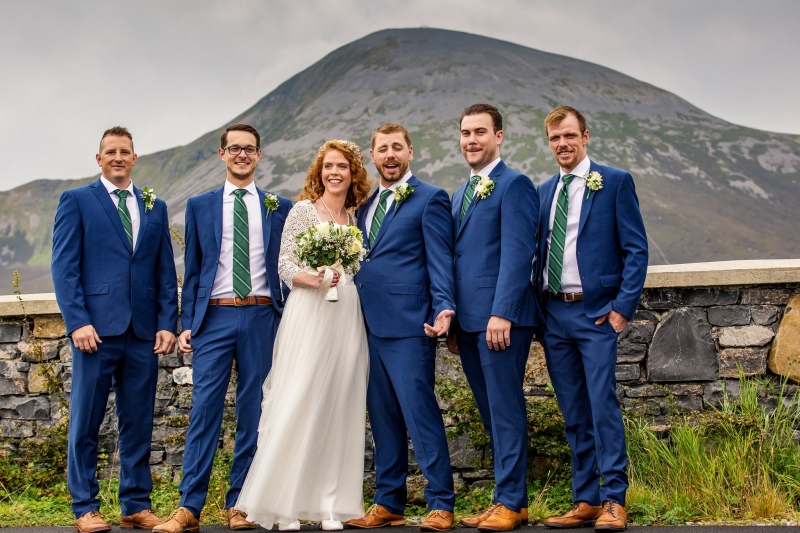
{"x":309,"y":461}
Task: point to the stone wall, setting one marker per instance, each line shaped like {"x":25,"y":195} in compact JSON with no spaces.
{"x":697,"y":325}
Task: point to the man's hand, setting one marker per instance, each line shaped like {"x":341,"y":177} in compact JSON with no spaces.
{"x":617,"y":320}
{"x":498,"y":333}
{"x":184,"y":340}
{"x":85,"y":339}
{"x":165,"y":342}
{"x":452,"y":344}
{"x":441,"y":325}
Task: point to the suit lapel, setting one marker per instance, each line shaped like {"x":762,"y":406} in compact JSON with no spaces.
{"x":266,"y":221}
{"x":494,"y":175}
{"x":215,"y":210}
{"x":144,"y":218}
{"x":587,"y":202}
{"x":361,"y":214}
{"x":111,"y":210}
{"x":392,"y":211}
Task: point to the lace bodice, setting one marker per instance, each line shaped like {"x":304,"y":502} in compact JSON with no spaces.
{"x":302,"y":216}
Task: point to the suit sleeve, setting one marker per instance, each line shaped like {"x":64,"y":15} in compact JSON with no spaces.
{"x":437,"y":232}
{"x":192,"y":260}
{"x":518,"y":219}
{"x":167,"y":279}
{"x":66,"y":263}
{"x":633,"y":247}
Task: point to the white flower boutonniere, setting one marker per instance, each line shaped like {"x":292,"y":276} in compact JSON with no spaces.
{"x":271,"y":203}
{"x":594,"y":182}
{"x":149,"y":198}
{"x":401,"y":193}
{"x":484,"y":187}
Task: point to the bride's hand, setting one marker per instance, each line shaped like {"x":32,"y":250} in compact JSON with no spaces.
{"x":321,"y":276}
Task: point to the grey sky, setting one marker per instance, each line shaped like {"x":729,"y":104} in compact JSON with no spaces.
{"x":173,"y":70}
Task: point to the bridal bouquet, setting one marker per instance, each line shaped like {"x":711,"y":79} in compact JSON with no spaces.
{"x":331,"y":247}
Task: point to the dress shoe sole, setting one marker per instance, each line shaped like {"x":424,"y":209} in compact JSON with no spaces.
{"x":101,"y":530}
{"x":393,"y":523}
{"x":133,"y":525}
{"x":611,"y":528}
{"x":241,"y":528}
{"x":588,"y":523}
{"x":432,"y":528}
{"x":515,"y":526}
{"x":192,"y":529}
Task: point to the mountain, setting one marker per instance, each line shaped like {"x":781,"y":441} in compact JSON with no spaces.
{"x":709,"y":190}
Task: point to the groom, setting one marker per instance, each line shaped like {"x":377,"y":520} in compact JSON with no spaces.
{"x":594,"y":261}
{"x":232,"y":302}
{"x":405,"y":284}
{"x":115,"y":283}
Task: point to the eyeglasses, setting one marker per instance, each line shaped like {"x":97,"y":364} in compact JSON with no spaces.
{"x":236,"y":150}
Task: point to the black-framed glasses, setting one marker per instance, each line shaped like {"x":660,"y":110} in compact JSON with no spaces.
{"x":236,"y":150}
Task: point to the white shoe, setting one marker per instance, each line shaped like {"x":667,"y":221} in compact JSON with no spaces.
{"x":331,"y":525}
{"x":294,"y":525}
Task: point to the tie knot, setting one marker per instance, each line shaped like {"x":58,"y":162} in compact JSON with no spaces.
{"x":568,"y":179}
{"x":474,"y":180}
{"x":240,"y":192}
{"x":122,"y":194}
{"x":385,"y":194}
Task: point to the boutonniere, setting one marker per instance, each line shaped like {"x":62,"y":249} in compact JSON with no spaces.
{"x":270,"y":202}
{"x":401,"y":193}
{"x":594,"y":182}
{"x":484,"y":187}
{"x":149,"y":198}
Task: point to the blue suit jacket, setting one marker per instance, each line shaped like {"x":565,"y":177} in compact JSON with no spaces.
{"x":406,"y":279}
{"x":99,"y":280}
{"x":203,"y":241}
{"x":612,"y":244}
{"x":494,"y":250}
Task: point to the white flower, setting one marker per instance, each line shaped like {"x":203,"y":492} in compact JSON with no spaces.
{"x":271,"y":202}
{"x":594,"y":182}
{"x":149,"y":198}
{"x":484,"y":187}
{"x":402,"y":192}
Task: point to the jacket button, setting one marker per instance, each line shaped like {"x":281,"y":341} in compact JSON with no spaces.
{"x":367,"y":260}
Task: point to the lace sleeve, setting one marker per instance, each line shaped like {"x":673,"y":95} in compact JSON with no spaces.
{"x":301,"y":217}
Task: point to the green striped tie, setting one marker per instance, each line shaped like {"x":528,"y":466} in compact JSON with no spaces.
{"x":241,"y":246}
{"x":377,"y":219}
{"x":124,"y":214}
{"x":558,"y":236}
{"x":468,"y":194}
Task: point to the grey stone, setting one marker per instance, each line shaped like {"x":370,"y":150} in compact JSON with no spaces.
{"x":630,"y":352}
{"x":169,"y":361}
{"x":713,"y":393}
{"x":661,"y":299}
{"x":10,"y":332}
{"x":182,"y":376}
{"x":766,"y":296}
{"x":685,"y":389}
{"x":173,"y":455}
{"x":735,"y":336}
{"x":628,"y":372}
{"x":16,"y":429}
{"x":730,"y":315}
{"x":10,"y":370}
{"x":646,"y":391}
{"x":25,"y":408}
{"x":9,"y":387}
{"x":644,"y":314}
{"x":682,"y":348}
{"x":706,"y":297}
{"x":65,"y":353}
{"x":462,"y":453}
{"x":38,"y":351}
{"x":689,"y":403}
{"x":187,"y":358}
{"x":644,"y":406}
{"x":8,"y":351}
{"x":477,"y":474}
{"x":639,"y":331}
{"x":764,"y":315}
{"x":753,"y":362}
{"x":156,"y":456}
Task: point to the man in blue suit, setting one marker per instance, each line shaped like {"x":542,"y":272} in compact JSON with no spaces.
{"x":593,"y":252}
{"x":405,"y":284}
{"x":231,"y":304}
{"x":115,"y":283}
{"x":495,"y":217}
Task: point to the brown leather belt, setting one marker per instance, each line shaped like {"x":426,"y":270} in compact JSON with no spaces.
{"x":238,"y":302}
{"x":567,"y":296}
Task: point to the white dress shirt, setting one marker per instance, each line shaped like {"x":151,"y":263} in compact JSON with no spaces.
{"x":131,"y":202}
{"x":389,"y":201}
{"x":484,"y":172}
{"x":570,"y":276}
{"x":223,"y":282}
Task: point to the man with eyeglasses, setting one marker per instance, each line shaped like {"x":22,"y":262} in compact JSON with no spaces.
{"x":115,"y":283}
{"x":231,"y":304}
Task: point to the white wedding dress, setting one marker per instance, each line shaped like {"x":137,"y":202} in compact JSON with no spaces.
{"x":309,"y":462}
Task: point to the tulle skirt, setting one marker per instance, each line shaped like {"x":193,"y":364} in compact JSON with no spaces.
{"x":309,"y":462}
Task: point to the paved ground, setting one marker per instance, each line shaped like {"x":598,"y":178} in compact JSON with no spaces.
{"x":530,"y":529}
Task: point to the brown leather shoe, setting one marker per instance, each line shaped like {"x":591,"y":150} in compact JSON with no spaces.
{"x":376,"y":516}
{"x":474,"y":521}
{"x":501,"y":519}
{"x":613,"y":518}
{"x":580,"y":515}
{"x":179,"y":521}
{"x":144,"y":519}
{"x":437,"y":521}
{"x":91,"y":522}
{"x":523,"y":516}
{"x":237,"y":520}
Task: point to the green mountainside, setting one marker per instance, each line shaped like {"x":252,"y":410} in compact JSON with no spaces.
{"x":709,"y":190}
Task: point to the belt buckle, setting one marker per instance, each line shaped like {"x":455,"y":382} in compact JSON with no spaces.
{"x":569,"y":296}
{"x":238,"y":302}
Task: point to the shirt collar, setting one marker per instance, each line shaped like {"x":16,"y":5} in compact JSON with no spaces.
{"x":394,"y":185}
{"x":110,"y":187}
{"x":581,"y":170}
{"x":230,"y":187}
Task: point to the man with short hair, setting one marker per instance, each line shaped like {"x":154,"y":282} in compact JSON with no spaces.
{"x":495,"y":214}
{"x":405,"y":284}
{"x":232,"y":300}
{"x":593,"y":251}
{"x":115,"y":283}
